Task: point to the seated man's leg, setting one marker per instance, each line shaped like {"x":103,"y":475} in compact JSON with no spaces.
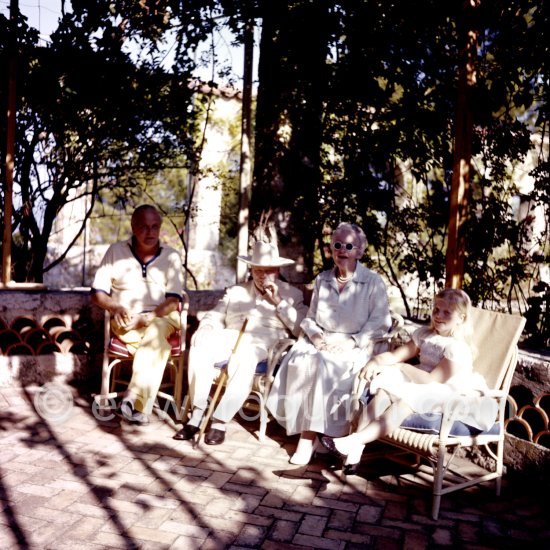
{"x":201,"y":370}
{"x":150,"y":361}
{"x":241,"y":376}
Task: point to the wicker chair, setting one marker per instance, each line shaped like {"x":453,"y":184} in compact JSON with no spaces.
{"x":115,"y":355}
{"x":436,"y":441}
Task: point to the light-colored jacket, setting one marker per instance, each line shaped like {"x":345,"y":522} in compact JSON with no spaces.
{"x":360,"y":310}
{"x":264,"y":319}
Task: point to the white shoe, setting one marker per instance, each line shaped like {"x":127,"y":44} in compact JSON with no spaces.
{"x":301,"y":458}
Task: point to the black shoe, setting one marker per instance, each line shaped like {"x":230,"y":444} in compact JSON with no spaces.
{"x":214,"y":437}
{"x":126,"y":411}
{"x":186,"y":433}
{"x":350,"y":469}
{"x":328,"y":444}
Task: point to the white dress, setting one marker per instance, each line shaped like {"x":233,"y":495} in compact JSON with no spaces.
{"x":312,"y":389}
{"x":465,"y":387}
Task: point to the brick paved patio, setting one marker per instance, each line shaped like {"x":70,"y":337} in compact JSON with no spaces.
{"x":81,"y":483}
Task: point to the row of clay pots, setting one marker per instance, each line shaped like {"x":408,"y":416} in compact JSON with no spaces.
{"x":530,"y":422}
{"x":24,"y":336}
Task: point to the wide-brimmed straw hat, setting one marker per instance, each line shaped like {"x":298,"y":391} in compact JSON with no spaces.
{"x":265,"y":255}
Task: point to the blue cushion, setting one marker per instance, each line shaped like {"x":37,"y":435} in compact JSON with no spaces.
{"x":261,"y":367}
{"x":430,"y":423}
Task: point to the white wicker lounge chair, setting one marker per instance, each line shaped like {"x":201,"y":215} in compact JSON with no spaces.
{"x":495,"y":339}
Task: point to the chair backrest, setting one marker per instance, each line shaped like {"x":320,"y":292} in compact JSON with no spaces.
{"x":495,"y":338}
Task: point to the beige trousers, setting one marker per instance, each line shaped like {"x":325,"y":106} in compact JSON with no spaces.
{"x":151,"y":351}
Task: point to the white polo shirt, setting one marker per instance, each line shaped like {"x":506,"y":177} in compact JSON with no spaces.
{"x":139,"y":287}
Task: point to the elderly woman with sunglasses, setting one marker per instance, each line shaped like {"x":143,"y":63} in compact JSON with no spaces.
{"x":349,"y":310}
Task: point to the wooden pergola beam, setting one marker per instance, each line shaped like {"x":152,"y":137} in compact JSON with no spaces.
{"x":10,"y":146}
{"x":460,"y":182}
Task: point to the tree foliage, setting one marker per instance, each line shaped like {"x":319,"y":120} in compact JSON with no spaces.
{"x":88,"y":113}
{"x":356,"y":120}
{"x":384,"y":100}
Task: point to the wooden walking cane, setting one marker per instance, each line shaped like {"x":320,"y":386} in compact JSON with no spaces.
{"x":219,"y":385}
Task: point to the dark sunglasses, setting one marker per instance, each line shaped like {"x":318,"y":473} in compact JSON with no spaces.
{"x":337,"y":245}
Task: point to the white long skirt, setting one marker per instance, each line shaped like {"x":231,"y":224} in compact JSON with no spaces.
{"x":312,"y":389}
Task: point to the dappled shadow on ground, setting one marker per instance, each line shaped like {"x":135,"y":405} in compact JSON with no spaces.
{"x":99,"y":483}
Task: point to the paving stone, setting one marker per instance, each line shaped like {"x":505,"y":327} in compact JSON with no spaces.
{"x":415,"y":541}
{"x":151,"y":501}
{"x":251,"y":536}
{"x":152,"y":518}
{"x":84,"y":530}
{"x":283,"y":530}
{"x":443,"y":537}
{"x":187,"y":543}
{"x":342,"y":520}
{"x":219,"y":539}
{"x":185,"y":529}
{"x":319,"y":542}
{"x":312,"y":525}
{"x":370,"y":514}
{"x":40,"y":490}
{"x":152,"y":535}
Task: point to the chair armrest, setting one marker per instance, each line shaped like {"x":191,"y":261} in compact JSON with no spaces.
{"x":275,"y":354}
{"x":454,"y":409}
{"x":497,"y":394}
{"x":359,"y":385}
{"x":184,"y":310}
{"x":450,"y":414}
{"x":393,"y":332}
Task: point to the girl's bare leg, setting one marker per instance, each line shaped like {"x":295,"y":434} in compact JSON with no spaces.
{"x":378,"y":418}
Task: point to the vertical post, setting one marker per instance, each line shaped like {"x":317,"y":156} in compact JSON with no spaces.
{"x":246,"y":163}
{"x":10,"y":146}
{"x":460,"y":183}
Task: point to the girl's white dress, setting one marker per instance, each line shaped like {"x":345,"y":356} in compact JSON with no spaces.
{"x":465,"y":389}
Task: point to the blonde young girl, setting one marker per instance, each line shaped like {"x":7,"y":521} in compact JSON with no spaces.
{"x":444,"y":372}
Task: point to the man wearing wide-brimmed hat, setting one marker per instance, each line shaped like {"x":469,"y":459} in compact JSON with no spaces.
{"x":274,"y":310}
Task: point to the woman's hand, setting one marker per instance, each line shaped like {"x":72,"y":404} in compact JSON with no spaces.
{"x":341,"y":347}
{"x":318,"y":341}
{"x":335,"y":347}
{"x":372,"y":369}
{"x":367,"y":372}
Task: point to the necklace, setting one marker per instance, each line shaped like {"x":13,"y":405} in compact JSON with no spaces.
{"x":343,"y":280}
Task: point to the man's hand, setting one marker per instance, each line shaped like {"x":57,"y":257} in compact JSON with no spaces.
{"x":121,"y":316}
{"x":127,"y":322}
{"x":271,"y":291}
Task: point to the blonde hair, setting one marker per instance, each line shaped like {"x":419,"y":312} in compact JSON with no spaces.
{"x":460,"y":302}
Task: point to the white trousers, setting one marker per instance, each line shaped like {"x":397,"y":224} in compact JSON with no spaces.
{"x":242,"y":367}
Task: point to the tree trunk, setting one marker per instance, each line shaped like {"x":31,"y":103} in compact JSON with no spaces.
{"x":291,"y":73}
